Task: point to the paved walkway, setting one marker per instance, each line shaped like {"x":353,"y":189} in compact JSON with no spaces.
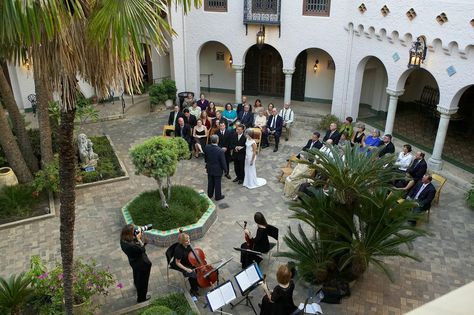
{"x":448,"y":254}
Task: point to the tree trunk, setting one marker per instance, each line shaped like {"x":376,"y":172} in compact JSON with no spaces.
{"x":67,"y":198}
{"x":162,"y":195}
{"x":168,"y":182}
{"x":18,"y":124}
{"x":43,"y":97}
{"x":12,"y":151}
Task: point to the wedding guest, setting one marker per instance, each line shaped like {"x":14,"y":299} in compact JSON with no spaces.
{"x":202,"y":102}
{"x":388,"y":147}
{"x":269,"y":110}
{"x":219,"y":115}
{"x":347,"y":127}
{"x":260,"y":120}
{"x":215,"y":127}
{"x":206,"y":121}
{"x":188,"y":101}
{"x":211,"y":110}
{"x":372,"y":141}
{"x":405,"y":158}
{"x":257,"y":105}
{"x":230,"y":115}
{"x":288,"y":116}
{"x":195,"y":110}
{"x":358,"y":137}
{"x":200,"y":134}
{"x":332,"y":133}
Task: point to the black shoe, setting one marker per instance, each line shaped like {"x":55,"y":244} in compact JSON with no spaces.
{"x":227,"y":176}
{"x":264,"y":146}
{"x":286,"y":139}
{"x":276,"y":149}
{"x":148,"y":296}
{"x":222,"y":197}
{"x":235,"y":179}
{"x":240,"y":182}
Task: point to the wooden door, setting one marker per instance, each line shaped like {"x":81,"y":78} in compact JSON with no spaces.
{"x":263,"y":72}
{"x":299,"y":77}
{"x":251,"y":72}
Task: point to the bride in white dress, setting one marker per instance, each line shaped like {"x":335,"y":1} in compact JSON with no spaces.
{"x":251,"y":180}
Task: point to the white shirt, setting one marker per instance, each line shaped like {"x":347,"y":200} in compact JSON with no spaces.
{"x":287,"y":115}
{"x":260,"y":121}
{"x":419,"y":191}
{"x":404,"y":161}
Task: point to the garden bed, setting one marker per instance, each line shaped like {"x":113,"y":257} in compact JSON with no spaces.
{"x":180,"y":303}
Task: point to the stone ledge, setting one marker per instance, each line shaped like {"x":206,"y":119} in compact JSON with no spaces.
{"x":166,"y":238}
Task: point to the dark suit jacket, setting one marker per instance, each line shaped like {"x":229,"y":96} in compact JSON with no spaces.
{"x":417,"y":171}
{"x":215,"y":160}
{"x":171,"y":117}
{"x":224,"y":140}
{"x":240,"y":155}
{"x":136,"y":255}
{"x":278,"y":125}
{"x":185,"y":134}
{"x":334,"y":137}
{"x":240,"y":108}
{"x":388,"y":148}
{"x":426,"y":196}
{"x":191,"y":121}
{"x":318,"y":145}
{"x":247,"y":120}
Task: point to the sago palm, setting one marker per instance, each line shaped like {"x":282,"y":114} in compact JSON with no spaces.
{"x":14,"y":292}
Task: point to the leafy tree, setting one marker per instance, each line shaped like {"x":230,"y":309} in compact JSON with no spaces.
{"x":158,"y":158}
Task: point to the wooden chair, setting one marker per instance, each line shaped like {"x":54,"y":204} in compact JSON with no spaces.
{"x":167,"y":128}
{"x":220,"y":108}
{"x":288,"y":168}
{"x":257,"y":136}
{"x":440,"y":181}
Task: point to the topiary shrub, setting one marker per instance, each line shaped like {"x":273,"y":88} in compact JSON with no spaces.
{"x":158,"y":94}
{"x":159,"y":309}
{"x":326,"y":121}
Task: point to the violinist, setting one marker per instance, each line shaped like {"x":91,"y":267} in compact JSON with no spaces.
{"x":258,"y":243}
{"x":280,"y":300}
{"x":181,"y":253}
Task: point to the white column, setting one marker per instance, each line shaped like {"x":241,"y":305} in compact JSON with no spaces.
{"x":238,"y":82}
{"x":392,"y":109}
{"x":435,"y":162}
{"x":288,"y":77}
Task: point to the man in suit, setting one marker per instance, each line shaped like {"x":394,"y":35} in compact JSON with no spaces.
{"x":388,"y":147}
{"x":174,"y":115}
{"x":423,"y":193}
{"x":312,"y":143}
{"x":418,"y":167}
{"x":241,"y":106}
{"x":288,"y":116}
{"x":183,"y":130}
{"x":224,"y":143}
{"x":215,"y":166}
{"x":246,"y":117}
{"x":238,"y":153}
{"x":189,"y":119}
{"x":333,"y":134}
{"x":274,"y":128}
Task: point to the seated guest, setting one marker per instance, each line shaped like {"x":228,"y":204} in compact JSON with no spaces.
{"x":215,"y":127}
{"x":188,"y":101}
{"x":189,"y":119}
{"x":219,"y":115}
{"x":257,"y":105}
{"x":195,"y":110}
{"x":423,"y":193}
{"x":332,"y":133}
{"x":418,"y":167}
{"x":200,"y":134}
{"x":182,"y":263}
{"x":183,"y":130}
{"x":274,"y":128}
{"x":260,"y":120}
{"x":358,"y":137}
{"x":269,"y":110}
{"x":404,"y":159}
{"x":174,"y":115}
{"x":280,"y":300}
{"x":372,"y":141}
{"x":202,"y":102}
{"x":260,"y":242}
{"x":343,"y":140}
{"x":240,"y":106}
{"x":246,"y":117}
{"x":312,"y":143}
{"x":347,"y":127}
{"x":326,"y":148}
{"x":406,"y":185}
{"x":206,"y":121}
{"x":388,"y":147}
{"x":288,"y":116}
{"x":299,"y":176}
{"x":230,"y":115}
{"x":211,"y":110}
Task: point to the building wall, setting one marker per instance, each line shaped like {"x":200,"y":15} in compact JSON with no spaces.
{"x":320,"y":84}
{"x":222,"y":78}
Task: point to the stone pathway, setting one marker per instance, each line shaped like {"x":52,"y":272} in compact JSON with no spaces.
{"x":448,"y":254}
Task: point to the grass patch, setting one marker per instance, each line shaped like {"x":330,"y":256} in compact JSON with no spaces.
{"x":185,"y":207}
{"x":176,"y":302}
{"x":108,"y":165}
{"x":19,"y":202}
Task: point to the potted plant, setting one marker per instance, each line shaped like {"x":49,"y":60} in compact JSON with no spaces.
{"x":89,"y":280}
{"x":171,"y":90}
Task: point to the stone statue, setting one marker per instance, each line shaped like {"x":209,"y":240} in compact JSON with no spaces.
{"x":87,"y":156}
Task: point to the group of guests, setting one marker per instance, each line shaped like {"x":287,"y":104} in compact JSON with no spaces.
{"x":196,"y":120}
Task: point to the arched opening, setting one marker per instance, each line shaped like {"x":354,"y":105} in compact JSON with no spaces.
{"x":215,"y":68}
{"x":373,"y":102}
{"x":313,"y":79}
{"x":263,"y":73}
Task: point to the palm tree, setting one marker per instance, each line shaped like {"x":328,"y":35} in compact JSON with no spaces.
{"x":102,"y":41}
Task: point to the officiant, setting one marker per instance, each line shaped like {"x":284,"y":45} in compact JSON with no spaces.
{"x":215,"y":166}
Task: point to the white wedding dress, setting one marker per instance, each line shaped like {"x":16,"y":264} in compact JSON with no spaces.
{"x":251,"y":180}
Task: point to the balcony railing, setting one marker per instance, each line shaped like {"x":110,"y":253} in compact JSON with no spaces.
{"x":262,"y":12}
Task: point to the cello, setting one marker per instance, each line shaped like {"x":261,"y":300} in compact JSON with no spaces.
{"x":197,"y":259}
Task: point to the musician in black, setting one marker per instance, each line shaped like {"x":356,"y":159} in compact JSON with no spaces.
{"x":259,"y":243}
{"x":134,"y":247}
{"x":181,"y":253}
{"x":280,"y":300}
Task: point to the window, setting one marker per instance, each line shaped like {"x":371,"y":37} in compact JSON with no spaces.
{"x":316,"y":7}
{"x":265,"y":6}
{"x":215,"y":5}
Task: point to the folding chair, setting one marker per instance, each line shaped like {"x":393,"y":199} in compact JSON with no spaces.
{"x":272,"y":231}
{"x":440,"y":181}
{"x":167,"y":128}
{"x":288,"y":168}
{"x":171,"y":263}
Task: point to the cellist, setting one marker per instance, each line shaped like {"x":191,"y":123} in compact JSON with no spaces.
{"x":181,"y":253}
{"x":259,"y":243}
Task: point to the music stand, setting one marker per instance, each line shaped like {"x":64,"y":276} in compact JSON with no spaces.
{"x":248,"y":280}
{"x":220,"y":296}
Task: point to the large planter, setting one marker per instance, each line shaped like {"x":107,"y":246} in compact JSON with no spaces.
{"x":7,"y":177}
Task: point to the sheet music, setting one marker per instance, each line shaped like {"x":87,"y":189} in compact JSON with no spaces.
{"x":228,"y":292}
{"x":311,"y":308}
{"x":252,"y":275}
{"x":243,"y":281}
{"x":215,"y":299}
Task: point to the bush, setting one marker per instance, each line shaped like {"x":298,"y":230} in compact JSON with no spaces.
{"x":185,"y":207}
{"x":17,"y":201}
{"x":14,"y":293}
{"x":157,"y":93}
{"x":170,"y":88}
{"x":175,"y":301}
{"x":326,"y":121}
{"x":470,"y":196}
{"x":155,"y":310}
{"x":47,"y":179}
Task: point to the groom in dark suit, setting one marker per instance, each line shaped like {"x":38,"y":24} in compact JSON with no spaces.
{"x":224,"y":143}
{"x":238,"y":153}
{"x":215,"y":166}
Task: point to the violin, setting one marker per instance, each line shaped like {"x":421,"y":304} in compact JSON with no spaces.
{"x":248,"y":239}
{"x":197,"y":259}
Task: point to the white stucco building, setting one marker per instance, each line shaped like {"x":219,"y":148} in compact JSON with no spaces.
{"x":341,"y":52}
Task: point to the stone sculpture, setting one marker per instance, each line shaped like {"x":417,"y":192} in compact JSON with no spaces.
{"x":87,"y":157}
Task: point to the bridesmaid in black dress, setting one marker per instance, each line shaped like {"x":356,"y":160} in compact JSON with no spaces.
{"x":280,"y":300}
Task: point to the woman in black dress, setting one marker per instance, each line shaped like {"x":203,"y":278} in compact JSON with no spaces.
{"x":280,"y":300}
{"x":200,"y":138}
{"x":358,"y":138}
{"x":260,"y":242}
